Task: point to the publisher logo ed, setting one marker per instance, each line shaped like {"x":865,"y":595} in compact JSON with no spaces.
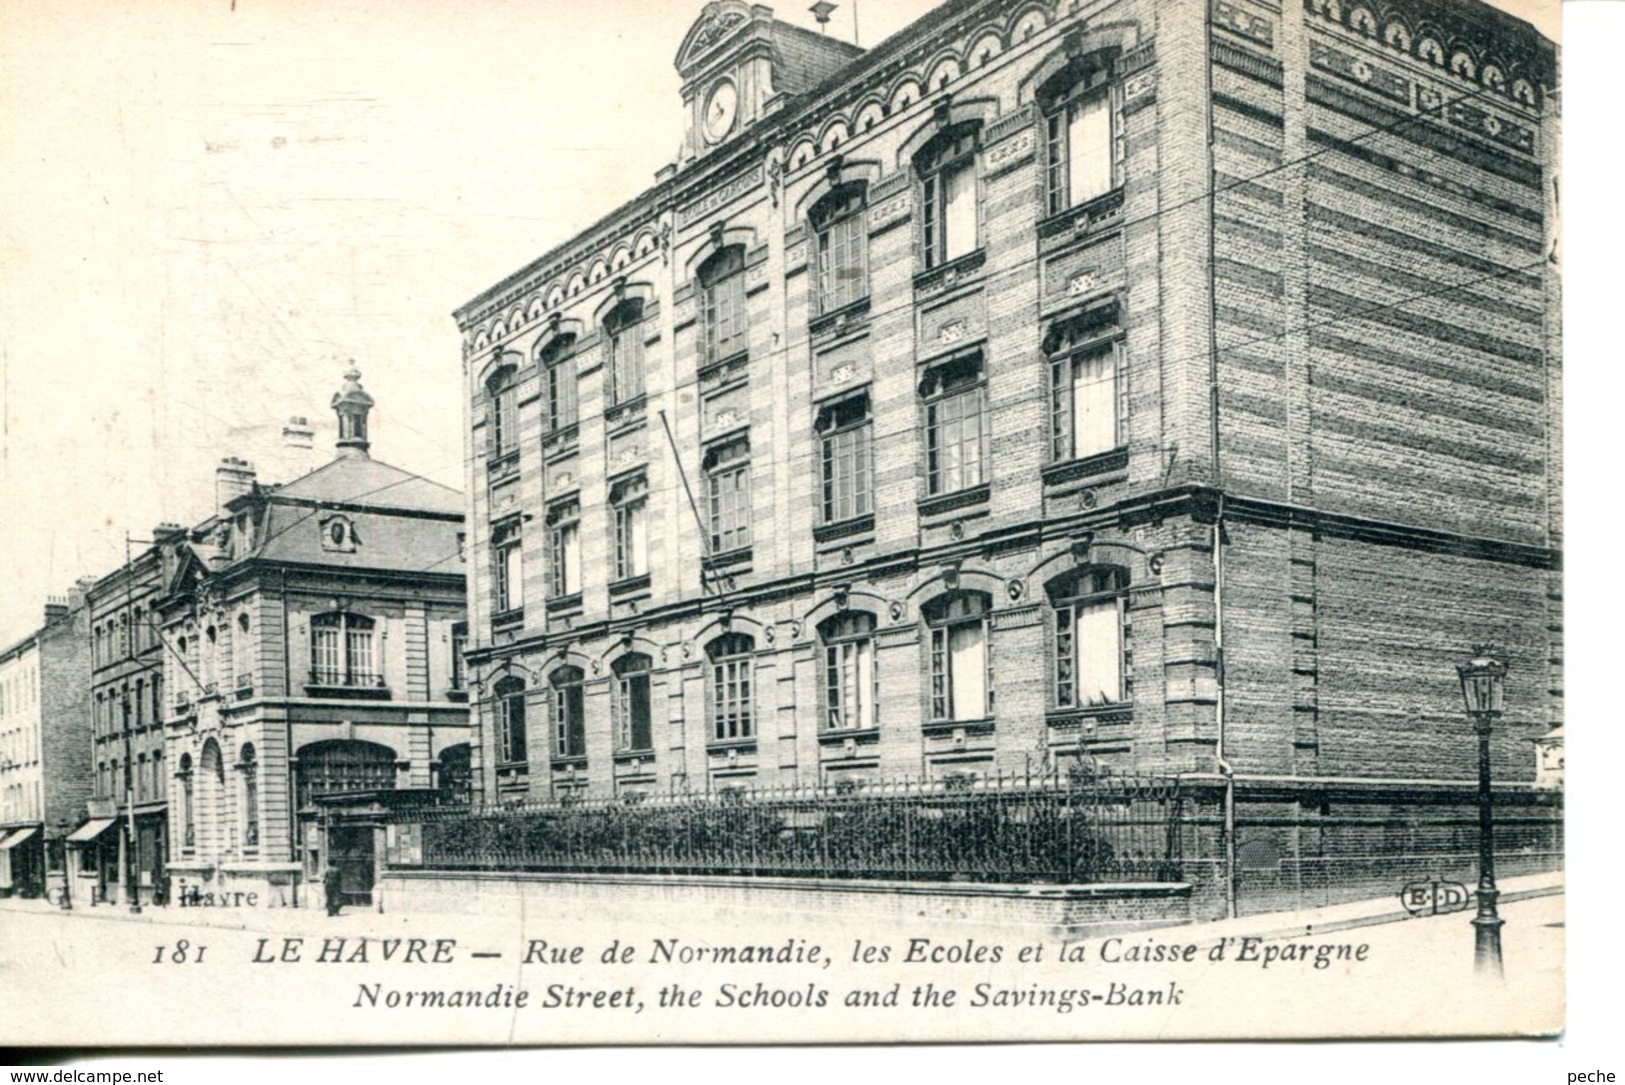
{"x":1434,"y":897}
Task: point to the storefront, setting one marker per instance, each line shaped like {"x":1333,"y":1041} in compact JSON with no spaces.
{"x":22,"y":861}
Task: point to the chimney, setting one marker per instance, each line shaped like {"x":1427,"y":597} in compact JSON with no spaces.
{"x":233,"y":478}
{"x":298,"y":447}
{"x":167,"y":532}
{"x":351,"y":403}
{"x":56,"y":608}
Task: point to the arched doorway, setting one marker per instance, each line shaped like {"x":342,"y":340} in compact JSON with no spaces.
{"x":335,"y":768}
{"x":456,"y":777}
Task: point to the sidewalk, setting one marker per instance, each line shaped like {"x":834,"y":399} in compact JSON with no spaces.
{"x":363,"y":920}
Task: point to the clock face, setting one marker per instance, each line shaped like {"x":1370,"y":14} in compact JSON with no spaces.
{"x":720,"y":108}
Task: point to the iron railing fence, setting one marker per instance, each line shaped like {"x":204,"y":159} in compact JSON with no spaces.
{"x":1025,"y":828}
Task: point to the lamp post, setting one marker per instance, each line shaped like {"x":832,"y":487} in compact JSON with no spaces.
{"x":1483,"y":690}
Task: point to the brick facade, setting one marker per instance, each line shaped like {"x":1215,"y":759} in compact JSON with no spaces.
{"x":1319,"y":266}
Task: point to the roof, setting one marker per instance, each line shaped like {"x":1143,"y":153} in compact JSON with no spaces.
{"x":362,"y":482}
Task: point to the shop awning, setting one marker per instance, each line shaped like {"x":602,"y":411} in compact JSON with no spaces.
{"x":91,"y":829}
{"x":18,"y":837}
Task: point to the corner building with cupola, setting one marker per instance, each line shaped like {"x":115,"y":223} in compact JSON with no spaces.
{"x":1097,"y":387}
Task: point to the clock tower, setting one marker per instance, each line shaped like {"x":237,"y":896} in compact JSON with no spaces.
{"x":734,"y":70}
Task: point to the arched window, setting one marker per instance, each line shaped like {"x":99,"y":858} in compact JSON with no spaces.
{"x":633,"y":724}
{"x":1083,"y":134}
{"x":564,"y":546}
{"x":1088,"y":665}
{"x":623,"y":340}
{"x":508,"y":708}
{"x":341,"y":651}
{"x":961,"y":663}
{"x":841,"y":244}
{"x":248,"y":765}
{"x":949,"y":210}
{"x":850,"y":685}
{"x":725,"y":323}
{"x":569,"y":713}
{"x":559,"y":374}
{"x":502,"y":412}
{"x":729,"y":687}
{"x":188,"y":813}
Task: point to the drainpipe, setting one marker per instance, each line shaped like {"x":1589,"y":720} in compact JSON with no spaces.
{"x":1226,"y":770}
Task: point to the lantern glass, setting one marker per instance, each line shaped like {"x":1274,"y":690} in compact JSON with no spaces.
{"x":1482,"y":684}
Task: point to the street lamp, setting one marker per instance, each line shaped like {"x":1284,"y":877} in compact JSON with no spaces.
{"x":1483,"y":690}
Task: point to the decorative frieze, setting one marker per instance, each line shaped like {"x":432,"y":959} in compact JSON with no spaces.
{"x":1238,"y":20}
{"x":719,"y":197}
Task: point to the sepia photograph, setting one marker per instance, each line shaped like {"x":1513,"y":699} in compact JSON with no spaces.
{"x":693,"y":522}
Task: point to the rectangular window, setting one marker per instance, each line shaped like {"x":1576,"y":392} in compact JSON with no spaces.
{"x":849,"y":672}
{"x":625,"y":363}
{"x":360,"y":648}
{"x":961,"y":666}
{"x":459,"y":665}
{"x":569,"y":717}
{"x":326,"y":657}
{"x":507,"y":566}
{"x":565,"y":534}
{"x":1089,"y":148}
{"x":510,"y":720}
{"x":561,"y":395}
{"x":633,"y":725}
{"x":727,"y":323}
{"x":727,"y":484}
{"x":1089,"y":641}
{"x":845,"y":460}
{"x":955,"y":427}
{"x":631,"y":503}
{"x":1085,"y":402}
{"x":841,"y":238}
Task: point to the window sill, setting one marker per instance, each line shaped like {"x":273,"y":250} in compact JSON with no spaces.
{"x":723,"y":745}
{"x":836,"y":736}
{"x":626,"y":411}
{"x":841,"y":529}
{"x":629,"y":585}
{"x":1117,"y":712}
{"x":504,"y":619}
{"x":351,"y":693}
{"x":562,"y":439}
{"x":569,"y":760}
{"x":982,"y":725}
{"x":728,"y":559}
{"x":1101,"y":463}
{"x":458,"y":695}
{"x":958,"y":499}
{"x":837,"y":320}
{"x":951,"y":273}
{"x":1083,"y":219}
{"x":564,"y":603}
{"x":502,"y":465}
{"x":623,"y":757}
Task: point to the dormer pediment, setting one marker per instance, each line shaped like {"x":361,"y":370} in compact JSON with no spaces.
{"x":721,"y":21}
